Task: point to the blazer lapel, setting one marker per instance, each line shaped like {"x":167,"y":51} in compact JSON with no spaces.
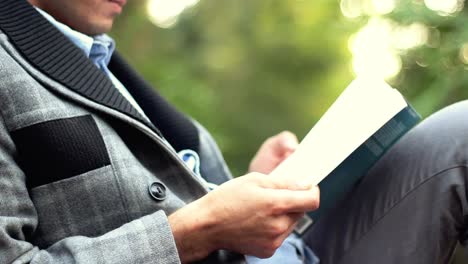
{"x":47,"y":49}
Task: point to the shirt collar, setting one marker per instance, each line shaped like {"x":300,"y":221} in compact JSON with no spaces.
{"x":98,"y":48}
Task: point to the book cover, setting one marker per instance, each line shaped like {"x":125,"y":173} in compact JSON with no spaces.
{"x":355,"y":132}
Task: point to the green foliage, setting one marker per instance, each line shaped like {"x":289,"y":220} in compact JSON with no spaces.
{"x":433,"y":75}
{"x":245,"y":69}
{"x":250,"y":69}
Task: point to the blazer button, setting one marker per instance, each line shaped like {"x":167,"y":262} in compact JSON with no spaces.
{"x":157,"y":190}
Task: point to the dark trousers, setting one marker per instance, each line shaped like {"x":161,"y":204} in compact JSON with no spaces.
{"x":412,"y":206}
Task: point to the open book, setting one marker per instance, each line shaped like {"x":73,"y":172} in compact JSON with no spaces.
{"x":365,"y":121}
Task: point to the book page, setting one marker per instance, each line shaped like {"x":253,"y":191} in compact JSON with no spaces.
{"x":362,"y":108}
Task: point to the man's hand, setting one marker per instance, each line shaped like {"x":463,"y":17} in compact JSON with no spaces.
{"x":273,"y":151}
{"x":250,"y":215}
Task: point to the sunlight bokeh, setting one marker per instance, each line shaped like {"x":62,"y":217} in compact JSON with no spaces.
{"x":351,"y":8}
{"x":411,"y":36}
{"x":378,"y":46}
{"x":357,"y":8}
{"x":464,"y":53}
{"x":165,"y":13}
{"x":383,"y":7}
{"x":445,"y":7}
{"x":373,"y":53}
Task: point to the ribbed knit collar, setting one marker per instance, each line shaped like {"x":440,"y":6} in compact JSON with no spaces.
{"x":98,"y":48}
{"x":45,"y":47}
{"x":83,"y":41}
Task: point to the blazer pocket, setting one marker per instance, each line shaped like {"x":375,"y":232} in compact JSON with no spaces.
{"x":59,"y":149}
{"x":88,"y":204}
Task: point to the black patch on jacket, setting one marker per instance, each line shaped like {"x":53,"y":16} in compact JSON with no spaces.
{"x":60,"y":149}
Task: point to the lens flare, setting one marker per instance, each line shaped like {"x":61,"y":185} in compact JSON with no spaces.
{"x":165,"y":13}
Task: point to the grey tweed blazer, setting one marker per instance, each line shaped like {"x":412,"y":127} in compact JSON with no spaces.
{"x":83,"y":177}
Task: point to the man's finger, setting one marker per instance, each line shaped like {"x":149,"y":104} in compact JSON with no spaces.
{"x":285,"y":142}
{"x":290,"y":201}
{"x":284,"y":183}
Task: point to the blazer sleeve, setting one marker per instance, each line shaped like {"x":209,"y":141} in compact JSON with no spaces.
{"x":145,"y":240}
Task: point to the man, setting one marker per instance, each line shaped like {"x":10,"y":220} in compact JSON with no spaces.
{"x":89,"y":155}
{"x":97,"y":168}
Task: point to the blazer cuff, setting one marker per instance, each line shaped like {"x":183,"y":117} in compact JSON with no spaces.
{"x":158,"y":243}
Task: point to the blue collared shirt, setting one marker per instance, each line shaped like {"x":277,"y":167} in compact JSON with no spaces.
{"x":98,"y":49}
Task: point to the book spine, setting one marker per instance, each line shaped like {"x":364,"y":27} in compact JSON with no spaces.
{"x":341,"y":181}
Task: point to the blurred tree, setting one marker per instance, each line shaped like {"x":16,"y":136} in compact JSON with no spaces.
{"x":245,"y":69}
{"x":430,"y":37}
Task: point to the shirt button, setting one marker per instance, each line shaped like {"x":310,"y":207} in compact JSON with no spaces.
{"x":157,"y":190}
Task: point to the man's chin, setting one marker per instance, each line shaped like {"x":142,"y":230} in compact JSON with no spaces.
{"x":98,"y":28}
